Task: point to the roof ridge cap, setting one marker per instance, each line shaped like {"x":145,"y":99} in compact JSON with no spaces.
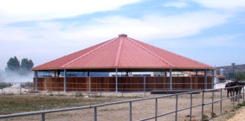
{"x":154,"y":54}
{"x":89,"y":52}
{"x":119,"y":52}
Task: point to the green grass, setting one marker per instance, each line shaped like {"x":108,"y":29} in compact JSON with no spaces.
{"x":240,"y":105}
{"x":24,"y":103}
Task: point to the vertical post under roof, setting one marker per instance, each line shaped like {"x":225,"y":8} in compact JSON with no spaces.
{"x":212,"y":79}
{"x":89,"y":81}
{"x":36,"y":79}
{"x":55,"y":73}
{"x":170,"y":80}
{"x":116,"y":80}
{"x":205,"y":79}
{"x":64,"y":80}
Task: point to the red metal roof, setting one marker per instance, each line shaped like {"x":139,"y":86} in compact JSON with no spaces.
{"x":123,"y":52}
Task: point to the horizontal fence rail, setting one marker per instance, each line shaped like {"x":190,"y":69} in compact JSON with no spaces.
{"x":156,"y":115}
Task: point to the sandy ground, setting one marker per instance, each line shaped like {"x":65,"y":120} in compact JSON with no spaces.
{"x":140,"y":110}
{"x":240,"y":115}
{"x":237,"y":115}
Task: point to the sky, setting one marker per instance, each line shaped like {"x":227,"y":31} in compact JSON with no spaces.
{"x":209,"y":31}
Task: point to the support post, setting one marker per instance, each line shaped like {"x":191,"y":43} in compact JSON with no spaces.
{"x":64,"y":80}
{"x":170,"y":79}
{"x":55,"y":73}
{"x":212,"y":79}
{"x":116,"y":80}
{"x":36,"y":79}
{"x":205,"y":79}
{"x":89,"y":82}
{"x":58,"y":73}
{"x":191,"y":82}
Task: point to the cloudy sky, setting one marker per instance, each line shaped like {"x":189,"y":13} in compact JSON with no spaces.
{"x":210,"y":31}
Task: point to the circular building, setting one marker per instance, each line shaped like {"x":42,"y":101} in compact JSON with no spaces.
{"x":122,"y":64}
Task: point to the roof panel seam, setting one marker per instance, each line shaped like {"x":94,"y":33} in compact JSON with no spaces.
{"x":118,"y":53}
{"x":163,"y":60}
{"x":88,"y":53}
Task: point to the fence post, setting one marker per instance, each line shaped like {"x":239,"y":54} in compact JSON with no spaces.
{"x":43,"y":116}
{"x":221,"y":101}
{"x":243,"y":93}
{"x":202,"y":105}
{"x":191,"y":107}
{"x":238,"y":96}
{"x":156,"y":106}
{"x":176,"y":108}
{"x":95,"y":113}
{"x":233,"y":97}
{"x":212,"y":101}
{"x":130,"y":111}
{"x":144,"y":86}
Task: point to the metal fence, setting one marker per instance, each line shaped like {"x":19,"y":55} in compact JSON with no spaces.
{"x":156,"y":115}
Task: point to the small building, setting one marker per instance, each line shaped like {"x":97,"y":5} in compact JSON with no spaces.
{"x":129,"y":65}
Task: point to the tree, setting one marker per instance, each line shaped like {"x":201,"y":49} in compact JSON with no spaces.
{"x":13,"y":64}
{"x":26,"y":64}
{"x":240,"y":76}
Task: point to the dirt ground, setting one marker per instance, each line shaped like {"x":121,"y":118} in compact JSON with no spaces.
{"x":140,"y":110}
{"x":239,"y":115}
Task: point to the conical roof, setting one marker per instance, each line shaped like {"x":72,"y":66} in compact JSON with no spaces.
{"x":123,"y":52}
